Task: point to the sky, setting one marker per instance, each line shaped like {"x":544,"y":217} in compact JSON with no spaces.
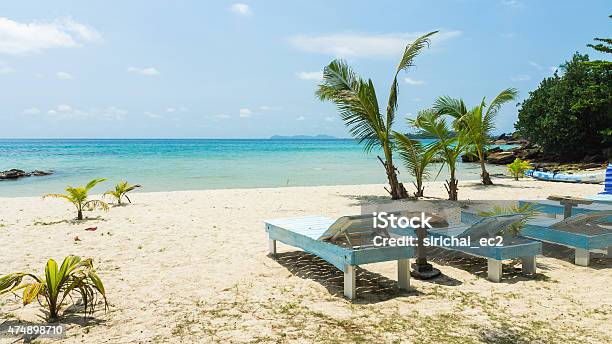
{"x":225,"y":69}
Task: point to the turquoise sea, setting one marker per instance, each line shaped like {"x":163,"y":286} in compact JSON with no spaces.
{"x":189,"y":164}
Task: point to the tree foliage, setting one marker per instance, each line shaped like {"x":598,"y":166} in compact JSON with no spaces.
{"x":570,"y":115}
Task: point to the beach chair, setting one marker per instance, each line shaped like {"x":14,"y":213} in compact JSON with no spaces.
{"x":583,"y":232}
{"x":566,"y":206}
{"x":345,"y":243}
{"x":476,"y":227}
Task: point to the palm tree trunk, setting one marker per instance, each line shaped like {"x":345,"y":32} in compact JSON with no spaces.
{"x":452,"y":186}
{"x":397,"y":189}
{"x":484,"y":175}
{"x":79,"y":214}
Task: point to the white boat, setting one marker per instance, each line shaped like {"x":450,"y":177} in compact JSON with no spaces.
{"x":589,"y":178}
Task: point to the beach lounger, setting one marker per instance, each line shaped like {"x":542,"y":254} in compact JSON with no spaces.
{"x":567,"y":206}
{"x":344,"y":243}
{"x":584,"y":233}
{"x":478,"y":227}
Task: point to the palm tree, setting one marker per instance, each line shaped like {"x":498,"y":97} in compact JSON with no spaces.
{"x":448,"y":144}
{"x":121,"y":190}
{"x":78,"y":196}
{"x":416,"y":158}
{"x":357,"y":103}
{"x":477,"y":123}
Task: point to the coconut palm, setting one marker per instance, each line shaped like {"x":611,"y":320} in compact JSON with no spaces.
{"x":477,"y":124}
{"x":74,"y":277}
{"x":449,"y":145}
{"x":416,"y":157}
{"x":78,"y":196}
{"x":358,"y":105}
{"x":121,"y":190}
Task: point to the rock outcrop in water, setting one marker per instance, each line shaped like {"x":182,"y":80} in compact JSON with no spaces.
{"x":16,"y":173}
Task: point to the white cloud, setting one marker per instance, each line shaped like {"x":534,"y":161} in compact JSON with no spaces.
{"x":22,"y":38}
{"x":511,"y":3}
{"x":31,"y":111}
{"x":310,"y":75}
{"x":301,"y":118}
{"x":269,"y":108}
{"x":149,"y":71}
{"x":64,"y":108}
{"x":362,"y":44}
{"x":244,"y":112}
{"x":535,"y":65}
{"x":5,"y":69}
{"x":64,"y":111}
{"x":64,"y":76}
{"x":520,"y":77}
{"x":153,"y":115}
{"x":329,"y":119}
{"x":221,"y":116}
{"x":416,"y":99}
{"x":241,"y":9}
{"x":170,"y":109}
{"x":411,"y":81}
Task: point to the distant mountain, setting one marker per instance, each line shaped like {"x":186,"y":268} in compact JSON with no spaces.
{"x":303,"y":137}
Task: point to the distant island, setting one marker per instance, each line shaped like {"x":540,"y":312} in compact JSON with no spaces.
{"x":303,"y":137}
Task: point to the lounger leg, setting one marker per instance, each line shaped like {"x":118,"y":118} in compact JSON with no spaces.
{"x":272,"y":246}
{"x":582,"y":257}
{"x":349,"y":281}
{"x":529,"y":264}
{"x":494,"y":268}
{"x":403,"y":274}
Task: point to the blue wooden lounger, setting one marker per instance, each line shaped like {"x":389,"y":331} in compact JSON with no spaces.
{"x":476,"y":226}
{"x":555,"y":208}
{"x":309,"y":233}
{"x":552,"y":231}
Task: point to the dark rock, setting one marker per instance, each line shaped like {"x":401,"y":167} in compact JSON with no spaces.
{"x":39,"y":173}
{"x":592,"y":158}
{"x":494,"y":150}
{"x":13,"y":174}
{"x":468,"y":157}
{"x":501,"y":158}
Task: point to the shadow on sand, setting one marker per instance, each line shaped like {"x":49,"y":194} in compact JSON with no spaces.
{"x":371,"y":287}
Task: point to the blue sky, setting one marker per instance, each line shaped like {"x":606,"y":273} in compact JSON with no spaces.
{"x":223,"y":69}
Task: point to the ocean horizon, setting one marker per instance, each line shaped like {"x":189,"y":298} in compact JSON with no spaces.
{"x":199,"y":164}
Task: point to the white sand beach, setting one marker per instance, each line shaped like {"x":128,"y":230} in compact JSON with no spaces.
{"x":193,"y":266}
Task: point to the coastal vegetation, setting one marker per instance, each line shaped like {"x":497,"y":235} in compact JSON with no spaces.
{"x":416,"y":156}
{"x":449,"y":146}
{"x":476,"y":124}
{"x":73,"y":277}
{"x":517,"y":168}
{"x":569,"y":115}
{"x":358,"y":105}
{"x":78,"y":196}
{"x":121,"y":190}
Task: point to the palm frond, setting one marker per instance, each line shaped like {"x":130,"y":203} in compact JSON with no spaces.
{"x":94,"y":203}
{"x":502,"y":98}
{"x":93,"y":183}
{"x":410,"y":53}
{"x":356,"y":101}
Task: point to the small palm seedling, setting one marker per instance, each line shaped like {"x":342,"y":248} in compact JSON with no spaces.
{"x":514,"y":229}
{"x":517,"y":168}
{"x":416,"y":158}
{"x":78,"y":196}
{"x":121,"y":190}
{"x":74,"y":277}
